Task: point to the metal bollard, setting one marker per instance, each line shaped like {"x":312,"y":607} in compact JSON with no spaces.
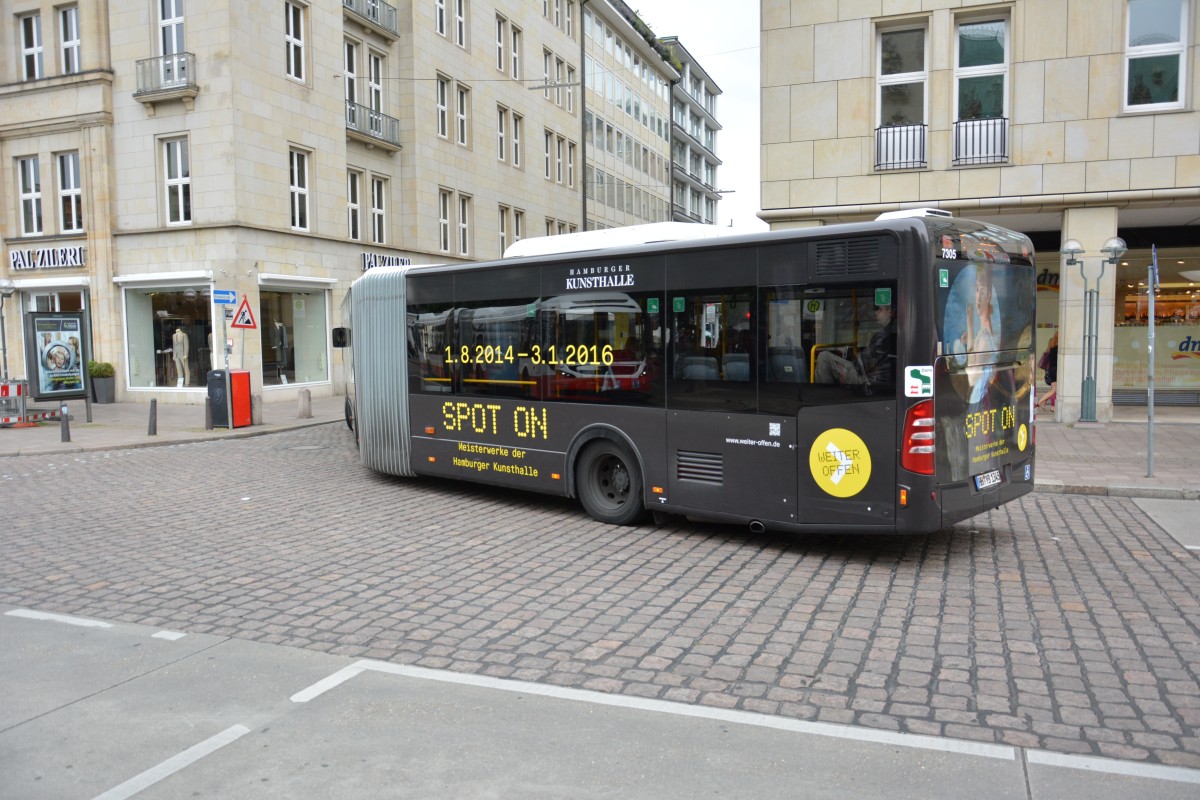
{"x":153,"y":431}
{"x":65,"y":416}
{"x":208,"y":420}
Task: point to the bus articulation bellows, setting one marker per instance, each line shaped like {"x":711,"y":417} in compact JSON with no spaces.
{"x":874,"y":377}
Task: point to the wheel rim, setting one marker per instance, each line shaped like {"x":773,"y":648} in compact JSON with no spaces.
{"x":612,"y":481}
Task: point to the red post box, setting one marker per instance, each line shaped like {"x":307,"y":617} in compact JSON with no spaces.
{"x":239,"y":397}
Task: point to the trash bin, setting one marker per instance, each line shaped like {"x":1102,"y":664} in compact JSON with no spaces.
{"x":218,"y":397}
{"x":239,"y":397}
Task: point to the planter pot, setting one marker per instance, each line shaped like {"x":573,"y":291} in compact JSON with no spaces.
{"x":104,"y":390}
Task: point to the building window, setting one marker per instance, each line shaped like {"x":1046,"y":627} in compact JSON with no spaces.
{"x":464,"y":225}
{"x":378,"y":210}
{"x":293,"y":331}
{"x":515,"y":52}
{"x":517,"y":124}
{"x":439,"y":17}
{"x":502,"y":228}
{"x":571,"y":165}
{"x":375,"y":81}
{"x":900,"y":138}
{"x":501,"y":140}
{"x":559,"y":146}
{"x":501,"y":41}
{"x":444,"y":221}
{"x":571,"y":18}
{"x":70,"y":194}
{"x":571,"y":89}
{"x":461,"y":108}
{"x":298,"y":188}
{"x":168,"y":329}
{"x":293,"y":36}
{"x":29,"y":176}
{"x":518,"y":225}
{"x":350,"y":72}
{"x":177,"y":175}
{"x":68,"y":24}
{"x":546,"y":62}
{"x":1155,"y":73}
{"x":982,"y":71}
{"x":443,"y":107}
{"x":354,"y":204}
{"x":31,"y":46}
{"x":170,"y":27}
{"x":460,"y":23}
{"x":549,"y":152}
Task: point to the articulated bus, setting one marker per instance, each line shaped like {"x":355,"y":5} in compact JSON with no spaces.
{"x":869,"y":377}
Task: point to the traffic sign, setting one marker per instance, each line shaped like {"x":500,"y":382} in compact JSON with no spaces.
{"x":243,"y":318}
{"x":224,"y":297}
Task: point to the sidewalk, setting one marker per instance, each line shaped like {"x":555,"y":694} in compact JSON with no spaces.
{"x":1109,"y":459}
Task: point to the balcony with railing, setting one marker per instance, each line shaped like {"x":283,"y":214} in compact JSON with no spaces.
{"x":377,"y":14}
{"x":164,"y":78}
{"x":374,"y":128}
{"x":901,"y":147}
{"x":981,"y":141}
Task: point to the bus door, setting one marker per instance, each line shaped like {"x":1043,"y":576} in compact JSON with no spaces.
{"x":723,"y":456}
{"x":831,"y":361}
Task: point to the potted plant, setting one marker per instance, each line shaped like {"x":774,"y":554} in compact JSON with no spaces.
{"x":104,"y":380}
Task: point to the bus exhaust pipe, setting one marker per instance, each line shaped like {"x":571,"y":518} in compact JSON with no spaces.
{"x":757,"y":527}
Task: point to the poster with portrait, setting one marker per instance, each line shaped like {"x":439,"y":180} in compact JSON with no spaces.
{"x":56,"y":354}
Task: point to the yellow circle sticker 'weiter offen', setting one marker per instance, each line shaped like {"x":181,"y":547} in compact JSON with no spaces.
{"x":840,"y":462}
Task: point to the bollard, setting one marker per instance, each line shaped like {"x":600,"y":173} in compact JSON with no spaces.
{"x":65,"y":416}
{"x":208,"y":420}
{"x":305,"y":409}
{"x":153,"y":431}
{"x":256,"y":409}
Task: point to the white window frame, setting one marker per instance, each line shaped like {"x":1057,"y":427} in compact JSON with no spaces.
{"x":502,"y":228}
{"x":570,"y":89}
{"x":464,"y":225}
{"x":171,"y":32}
{"x":70,"y":193}
{"x":546,"y":61}
{"x":354,"y":205}
{"x":443,"y":107}
{"x":571,"y":164}
{"x":517,"y":124}
{"x":444,"y":220}
{"x":177,"y":160}
{"x":299,"y":183}
{"x":882,"y":80}
{"x":68,"y":32}
{"x":350,"y":70}
{"x":32,"y":62}
{"x":462,"y":108}
{"x":559,"y":147}
{"x":293,"y":37}
{"x":548,"y":140}
{"x":518,"y":225}
{"x":501,"y":133}
{"x":1000,"y":69}
{"x":375,"y":72}
{"x":378,"y":210}
{"x":571,"y":18}
{"x":516,"y":52}
{"x":439,"y":17}
{"x":1178,"y":49}
{"x":29,"y":188}
{"x":501,"y":43}
{"x":460,"y":23}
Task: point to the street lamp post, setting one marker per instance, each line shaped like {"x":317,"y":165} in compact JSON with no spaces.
{"x":1114,"y":248}
{"x":7,"y":287}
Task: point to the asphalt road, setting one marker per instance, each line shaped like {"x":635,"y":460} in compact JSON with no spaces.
{"x":1064,"y":624}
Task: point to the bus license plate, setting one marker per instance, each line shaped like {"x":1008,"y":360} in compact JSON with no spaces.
{"x":987,"y":480}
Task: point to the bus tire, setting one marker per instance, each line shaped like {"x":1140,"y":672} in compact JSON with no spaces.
{"x":609,"y":483}
{"x":349,"y":414}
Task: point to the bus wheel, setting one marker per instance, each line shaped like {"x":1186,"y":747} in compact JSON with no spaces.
{"x":610,"y":483}
{"x":349,"y":415}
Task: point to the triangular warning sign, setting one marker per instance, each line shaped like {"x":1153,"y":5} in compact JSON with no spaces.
{"x":243,"y":318}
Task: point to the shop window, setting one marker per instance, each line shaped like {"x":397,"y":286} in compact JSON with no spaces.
{"x":293,"y":329}
{"x":169,"y":335}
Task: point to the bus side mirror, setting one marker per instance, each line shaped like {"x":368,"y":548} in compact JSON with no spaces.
{"x":341,"y":337}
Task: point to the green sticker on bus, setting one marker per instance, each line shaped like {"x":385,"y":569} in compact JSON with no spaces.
{"x":943,"y":278}
{"x":679,"y":304}
{"x":883,"y":297}
{"x":652,"y":305}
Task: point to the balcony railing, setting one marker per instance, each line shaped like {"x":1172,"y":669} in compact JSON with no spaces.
{"x":376,"y":12}
{"x":981,"y":141}
{"x":900,"y":147}
{"x":167,"y":78}
{"x":374,"y":125}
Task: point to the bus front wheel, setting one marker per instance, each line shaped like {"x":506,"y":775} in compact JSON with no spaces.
{"x":609,"y":483}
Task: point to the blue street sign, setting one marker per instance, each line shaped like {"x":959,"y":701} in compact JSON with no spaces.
{"x":224,"y":297}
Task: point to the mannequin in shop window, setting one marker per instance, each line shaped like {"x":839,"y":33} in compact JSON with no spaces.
{"x":279,"y":342}
{"x":179,"y":352}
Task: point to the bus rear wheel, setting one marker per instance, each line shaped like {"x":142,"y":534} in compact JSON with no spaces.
{"x":609,"y":483}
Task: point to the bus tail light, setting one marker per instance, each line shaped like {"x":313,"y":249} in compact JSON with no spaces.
{"x":916,"y":451}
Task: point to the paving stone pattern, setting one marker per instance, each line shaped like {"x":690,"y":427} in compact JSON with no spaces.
{"x":1063,"y":622}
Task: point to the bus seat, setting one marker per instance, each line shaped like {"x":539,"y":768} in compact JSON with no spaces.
{"x":700,"y":368}
{"x":783,"y":368}
{"x":737,"y":367}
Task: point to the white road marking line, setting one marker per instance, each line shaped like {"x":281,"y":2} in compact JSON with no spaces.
{"x":174,"y":764}
{"x":325,"y":684}
{"x":170,"y":636}
{"x":1109,"y":766}
{"x":48,"y":617}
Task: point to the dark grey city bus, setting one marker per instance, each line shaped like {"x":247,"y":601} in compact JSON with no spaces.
{"x":871,"y":377}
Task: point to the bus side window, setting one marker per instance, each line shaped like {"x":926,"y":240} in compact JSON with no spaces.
{"x":713,"y":361}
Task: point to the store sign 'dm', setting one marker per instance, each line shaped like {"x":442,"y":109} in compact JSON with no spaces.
{"x":48,"y":258}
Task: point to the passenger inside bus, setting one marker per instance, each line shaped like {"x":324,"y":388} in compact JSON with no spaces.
{"x":875,"y":363}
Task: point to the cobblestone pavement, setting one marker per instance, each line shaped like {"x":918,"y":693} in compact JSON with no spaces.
{"x":1064,"y":622}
